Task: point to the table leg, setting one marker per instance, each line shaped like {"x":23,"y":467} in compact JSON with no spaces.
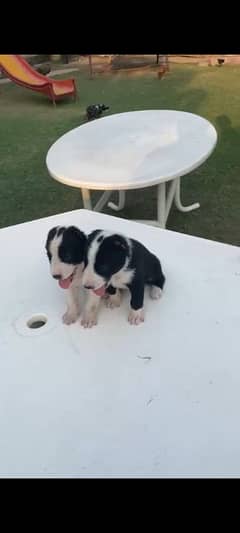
{"x":102,"y":201}
{"x":86,"y":198}
{"x":178,"y":202}
{"x":121,"y":203}
{"x":87,"y":204}
{"x":161,"y":204}
{"x":170,"y":196}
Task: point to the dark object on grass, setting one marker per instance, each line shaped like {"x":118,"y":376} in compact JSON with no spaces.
{"x":220,"y":62}
{"x":44,"y":69}
{"x":95,"y":111}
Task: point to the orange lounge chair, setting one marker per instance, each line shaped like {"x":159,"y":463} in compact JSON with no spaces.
{"x":19,"y":71}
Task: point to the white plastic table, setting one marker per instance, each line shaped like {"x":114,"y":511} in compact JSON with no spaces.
{"x":159,"y":399}
{"x":132,"y":151}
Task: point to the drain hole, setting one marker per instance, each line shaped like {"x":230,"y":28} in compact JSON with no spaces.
{"x":37,"y":321}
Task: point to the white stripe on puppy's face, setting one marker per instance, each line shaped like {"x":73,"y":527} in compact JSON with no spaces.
{"x":90,"y":278}
{"x":57,"y":267}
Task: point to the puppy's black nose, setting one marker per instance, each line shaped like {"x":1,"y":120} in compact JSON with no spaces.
{"x":57,"y":276}
{"x":88,"y":287}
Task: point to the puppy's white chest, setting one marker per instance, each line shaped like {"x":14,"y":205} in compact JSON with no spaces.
{"x":122,"y":279}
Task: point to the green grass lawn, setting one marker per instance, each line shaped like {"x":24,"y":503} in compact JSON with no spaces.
{"x":29,"y":124}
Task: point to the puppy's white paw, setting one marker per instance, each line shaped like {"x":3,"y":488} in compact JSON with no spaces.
{"x":155,"y":292}
{"x":114,"y":300}
{"x":89,"y":319}
{"x":70,"y":317}
{"x":136,"y":317}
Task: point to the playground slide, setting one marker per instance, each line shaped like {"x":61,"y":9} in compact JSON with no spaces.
{"x":19,"y":71}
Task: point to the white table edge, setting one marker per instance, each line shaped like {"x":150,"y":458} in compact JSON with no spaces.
{"x":126,"y":220}
{"x":119,"y":186}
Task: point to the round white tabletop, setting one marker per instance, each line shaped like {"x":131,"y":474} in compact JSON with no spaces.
{"x":131,"y":150}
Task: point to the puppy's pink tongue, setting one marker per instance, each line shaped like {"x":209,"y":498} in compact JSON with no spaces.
{"x":100,"y":291}
{"x":64,"y":283}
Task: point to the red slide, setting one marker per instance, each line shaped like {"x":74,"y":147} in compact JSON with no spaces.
{"x":20,"y":72}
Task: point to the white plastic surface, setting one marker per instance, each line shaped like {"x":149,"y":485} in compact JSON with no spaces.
{"x":131,"y":150}
{"x":159,"y":399}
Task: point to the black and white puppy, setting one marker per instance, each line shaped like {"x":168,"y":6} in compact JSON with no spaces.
{"x":116,"y":262}
{"x":66,"y":248}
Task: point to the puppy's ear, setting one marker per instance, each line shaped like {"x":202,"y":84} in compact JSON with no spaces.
{"x":77,"y":237}
{"x":76,"y":233}
{"x":50,"y":236}
{"x":120,"y":243}
{"x":75,"y":240}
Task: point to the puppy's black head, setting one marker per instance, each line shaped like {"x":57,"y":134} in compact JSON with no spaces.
{"x":106,"y":255}
{"x":66,"y":247}
{"x":71,"y":244}
{"x":111,"y":256}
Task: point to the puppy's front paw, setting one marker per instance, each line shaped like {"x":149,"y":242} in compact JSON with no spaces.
{"x":113,"y":300}
{"x":70,"y":317}
{"x":136,"y":317}
{"x":155,"y":292}
{"x":89,"y":319}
